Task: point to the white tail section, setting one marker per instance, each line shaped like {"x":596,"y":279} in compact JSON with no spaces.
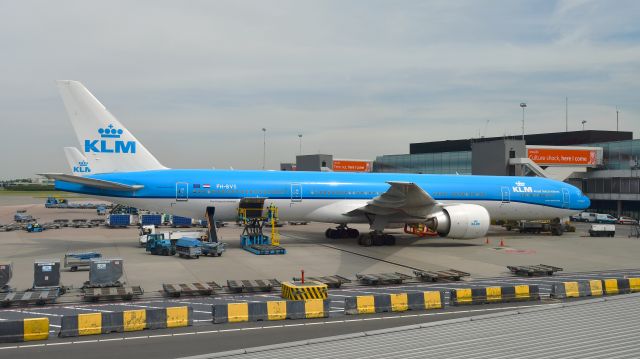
{"x":106,"y":143}
{"x":77,"y":162}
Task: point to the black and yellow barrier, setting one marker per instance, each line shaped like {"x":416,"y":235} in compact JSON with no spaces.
{"x":398,"y":302}
{"x":486,"y":295}
{"x":271,"y":310}
{"x":621,"y":286}
{"x":576,"y":289}
{"x":24,"y":330}
{"x":125,"y":321}
{"x":304,"y":291}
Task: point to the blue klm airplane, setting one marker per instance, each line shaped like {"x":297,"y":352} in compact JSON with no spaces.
{"x":117,"y":167}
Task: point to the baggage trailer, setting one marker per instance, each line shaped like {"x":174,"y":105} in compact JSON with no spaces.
{"x":602,"y":230}
{"x":449,"y":275}
{"x":189,"y":248}
{"x":383,"y":278}
{"x":197,"y":288}
{"x":119,"y":220}
{"x":151,"y":220}
{"x":75,"y":261}
{"x":534,"y":270}
{"x":93,"y":294}
{"x":177,"y":221}
{"x":38,"y":297}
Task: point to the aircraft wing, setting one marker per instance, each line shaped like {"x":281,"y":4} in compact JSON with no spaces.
{"x":401,"y":198}
{"x":92,"y":182}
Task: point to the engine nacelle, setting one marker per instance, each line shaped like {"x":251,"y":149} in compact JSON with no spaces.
{"x":463,"y":221}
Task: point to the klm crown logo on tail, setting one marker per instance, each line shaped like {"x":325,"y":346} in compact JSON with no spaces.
{"x":82,"y":167}
{"x":107,"y":146}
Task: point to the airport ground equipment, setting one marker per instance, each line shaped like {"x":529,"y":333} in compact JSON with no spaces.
{"x":50,"y":225}
{"x":151,"y":220}
{"x":30,"y":297}
{"x":634,"y":231}
{"x":396,"y":302}
{"x":6,"y":272}
{"x":534,"y":270}
{"x":614,"y":286}
{"x":252,"y":285}
{"x":486,"y":295}
{"x":119,"y":220}
{"x":158,"y":245}
{"x":34,"y":227}
{"x":304,"y":290}
{"x":81,"y":223}
{"x":437,"y":276}
{"x":97,"y":222}
{"x":101,"y":210}
{"x":46,"y":274}
{"x":120,"y":209}
{"x":332,"y":281}
{"x":270,"y":310}
{"x":184,"y":222}
{"x":382,"y":278}
{"x":253,"y":239}
{"x":94,"y":294}
{"x":79,"y":260}
{"x":602,"y":230}
{"x":125,"y":321}
{"x":189,"y":248}
{"x":53,"y":202}
{"x":105,"y":272}
{"x":21,"y":216}
{"x":554,"y":227}
{"x":24,"y":330}
{"x":62,"y":222}
{"x":420,"y":230}
{"x":576,"y":289}
{"x":214,"y":249}
{"x":192,"y":289}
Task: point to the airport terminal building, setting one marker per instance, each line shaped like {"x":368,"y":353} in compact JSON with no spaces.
{"x":605,"y":165}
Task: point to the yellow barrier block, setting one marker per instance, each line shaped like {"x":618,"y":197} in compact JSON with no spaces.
{"x":36,"y":329}
{"x":432,"y":300}
{"x":611,"y":286}
{"x":494,"y":294}
{"x":277,"y":310}
{"x":571,"y":289}
{"x":238,"y":312}
{"x":314,"y":308}
{"x":522,"y":291}
{"x":134,"y":320}
{"x":304,"y":291}
{"x":177,"y":317}
{"x":596,"y":287}
{"x":365,"y":304}
{"x":89,"y":324}
{"x":634,"y":284}
{"x":399,"y":302}
{"x":463,"y":296}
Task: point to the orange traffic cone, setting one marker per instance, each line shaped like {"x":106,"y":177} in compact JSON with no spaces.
{"x":501,"y":243}
{"x":486,"y":241}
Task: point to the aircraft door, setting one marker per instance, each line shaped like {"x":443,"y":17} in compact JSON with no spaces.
{"x":182,"y":191}
{"x":296,"y":192}
{"x":506,"y":195}
{"x":565,"y":198}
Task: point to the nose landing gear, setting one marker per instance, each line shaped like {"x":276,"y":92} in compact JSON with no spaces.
{"x":342,"y":231}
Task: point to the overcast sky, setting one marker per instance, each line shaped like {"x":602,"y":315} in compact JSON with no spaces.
{"x":196,"y":81}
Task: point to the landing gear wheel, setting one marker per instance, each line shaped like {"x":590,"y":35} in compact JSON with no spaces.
{"x":378,"y":240}
{"x":389,"y":240}
{"x":366,"y":241}
{"x":352,"y":233}
{"x":327,"y":233}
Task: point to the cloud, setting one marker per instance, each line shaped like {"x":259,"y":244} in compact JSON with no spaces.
{"x":197,"y":81}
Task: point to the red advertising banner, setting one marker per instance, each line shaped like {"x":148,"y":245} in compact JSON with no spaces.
{"x":553,"y":156}
{"x":351,"y":166}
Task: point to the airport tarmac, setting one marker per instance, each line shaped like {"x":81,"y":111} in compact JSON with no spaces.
{"x":582,"y":257}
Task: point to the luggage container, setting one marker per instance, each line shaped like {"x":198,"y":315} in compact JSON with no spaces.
{"x":6,"y":272}
{"x":119,"y":220}
{"x":189,"y":248}
{"x":177,"y":221}
{"x":602,"y":230}
{"x":151,"y":220}
{"x":105,"y":272}
{"x":46,"y":273}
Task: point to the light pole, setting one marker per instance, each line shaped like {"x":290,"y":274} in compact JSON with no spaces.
{"x":264,"y":147}
{"x":300,"y":137}
{"x":617,"y":119}
{"x":523,"y":105}
{"x":583,"y":122}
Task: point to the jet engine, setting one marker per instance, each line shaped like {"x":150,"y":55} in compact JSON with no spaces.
{"x":461,"y":221}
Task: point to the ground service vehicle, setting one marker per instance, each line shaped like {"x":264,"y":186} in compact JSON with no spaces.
{"x":602,"y":230}
{"x":157,"y":244}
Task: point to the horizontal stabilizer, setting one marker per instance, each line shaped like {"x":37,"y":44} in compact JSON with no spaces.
{"x":92,"y":182}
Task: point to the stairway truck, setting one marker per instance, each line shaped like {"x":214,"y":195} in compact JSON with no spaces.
{"x":151,"y":220}
{"x":189,"y":248}
{"x":119,"y":220}
{"x":602,"y":230}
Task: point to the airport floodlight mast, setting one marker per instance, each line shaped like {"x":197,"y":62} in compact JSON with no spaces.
{"x":300,"y":137}
{"x":264,"y":148}
{"x":617,"y":119}
{"x":523,"y":105}
{"x":583,"y":122}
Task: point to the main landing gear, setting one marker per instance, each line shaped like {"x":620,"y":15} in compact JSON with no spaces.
{"x":376,"y":239}
{"x":341,"y":231}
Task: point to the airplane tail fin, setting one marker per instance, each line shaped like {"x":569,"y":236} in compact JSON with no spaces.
{"x":77,"y":162}
{"x":102,"y":137}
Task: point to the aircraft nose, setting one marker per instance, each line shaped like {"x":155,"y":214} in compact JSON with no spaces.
{"x":587,"y":202}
